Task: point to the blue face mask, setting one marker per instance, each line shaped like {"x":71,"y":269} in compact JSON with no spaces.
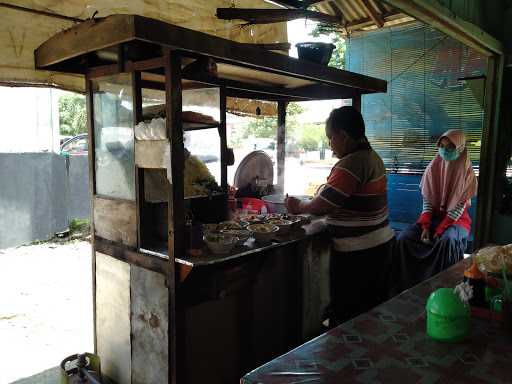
{"x":448,"y":154}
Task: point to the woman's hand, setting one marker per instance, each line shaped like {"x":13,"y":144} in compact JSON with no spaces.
{"x":425,"y":235}
{"x":293,"y":205}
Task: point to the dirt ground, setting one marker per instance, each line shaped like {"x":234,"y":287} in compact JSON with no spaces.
{"x":45,"y":309}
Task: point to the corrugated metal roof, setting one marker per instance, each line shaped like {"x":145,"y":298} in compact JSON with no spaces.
{"x":362,"y":14}
{"x":355,"y":15}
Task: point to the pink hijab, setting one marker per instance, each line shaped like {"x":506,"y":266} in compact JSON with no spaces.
{"x":447,"y":183}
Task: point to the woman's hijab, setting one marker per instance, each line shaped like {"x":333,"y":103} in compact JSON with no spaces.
{"x":448,"y":183}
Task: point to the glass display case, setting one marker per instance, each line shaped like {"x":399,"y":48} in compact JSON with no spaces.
{"x":113,"y":136}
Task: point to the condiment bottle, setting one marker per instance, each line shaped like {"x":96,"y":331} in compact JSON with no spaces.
{"x":476,"y":279}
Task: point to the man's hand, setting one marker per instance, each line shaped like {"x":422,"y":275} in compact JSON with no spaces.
{"x":293,"y":205}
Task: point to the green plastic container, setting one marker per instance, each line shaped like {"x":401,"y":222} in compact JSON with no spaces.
{"x":447,"y":316}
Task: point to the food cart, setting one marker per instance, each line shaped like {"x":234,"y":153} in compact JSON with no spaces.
{"x":162,"y":313}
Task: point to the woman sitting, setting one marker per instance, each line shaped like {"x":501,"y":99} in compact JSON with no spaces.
{"x":438,"y":239}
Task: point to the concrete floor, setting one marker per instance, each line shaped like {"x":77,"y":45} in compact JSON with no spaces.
{"x":45,"y":309}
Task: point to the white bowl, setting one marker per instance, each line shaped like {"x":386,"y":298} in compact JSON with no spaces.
{"x":261,"y":235}
{"x":284,"y":225}
{"x":242,"y":234}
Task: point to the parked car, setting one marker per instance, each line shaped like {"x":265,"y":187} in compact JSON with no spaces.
{"x":77,"y":145}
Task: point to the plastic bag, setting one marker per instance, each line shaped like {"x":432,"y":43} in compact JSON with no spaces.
{"x":491,"y":259}
{"x":155,"y":130}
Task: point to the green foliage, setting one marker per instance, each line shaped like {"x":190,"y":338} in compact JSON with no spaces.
{"x":72,"y":114}
{"x":266,"y":126}
{"x":261,"y":127}
{"x":312,"y":137}
{"x":338,"y":55}
{"x":79,"y":225}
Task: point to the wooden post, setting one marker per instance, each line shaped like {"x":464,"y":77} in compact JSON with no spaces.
{"x":356,"y":102}
{"x":92,"y":192}
{"x":223,"y":142}
{"x":281,"y":143}
{"x":139,"y":174}
{"x":176,"y":214}
{"x":486,"y":195}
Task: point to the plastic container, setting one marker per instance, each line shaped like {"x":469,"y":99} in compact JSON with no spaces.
{"x":251,"y":205}
{"x":476,"y":279}
{"x":447,"y":316}
{"x":317,"y":52}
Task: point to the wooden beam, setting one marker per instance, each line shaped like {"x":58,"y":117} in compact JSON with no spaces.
{"x":307,"y":92}
{"x":131,"y":256}
{"x":39,"y":12}
{"x":268,"y":16}
{"x":337,"y":10}
{"x":92,"y":190}
{"x":223,"y":142}
{"x":64,"y":45}
{"x":356,"y":102}
{"x":367,"y":21}
{"x":438,"y":16}
{"x":112,"y":30}
{"x":176,"y":213}
{"x":486,"y":186}
{"x":230,"y":92}
{"x":138,"y":174}
{"x":374,"y":15}
{"x":281,"y":143}
{"x":296,"y":3}
{"x":271,"y":46}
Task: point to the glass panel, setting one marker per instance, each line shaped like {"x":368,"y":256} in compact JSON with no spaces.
{"x":204,"y":147}
{"x":204,"y":101}
{"x":307,"y":148}
{"x":248,"y":133}
{"x":113,"y":136}
{"x":153,"y":104}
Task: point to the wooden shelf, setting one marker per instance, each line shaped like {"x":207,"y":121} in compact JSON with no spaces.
{"x":198,"y":126}
{"x":214,"y":194}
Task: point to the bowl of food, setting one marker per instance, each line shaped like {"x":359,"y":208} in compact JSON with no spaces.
{"x":284,"y":225}
{"x":263,"y":233}
{"x":208,"y":228}
{"x":297,"y":220}
{"x":226,"y":225}
{"x":220,"y":243}
{"x":255,"y":219}
{"x":242,"y":234}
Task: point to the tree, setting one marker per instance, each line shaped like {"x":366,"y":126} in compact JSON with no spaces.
{"x":72,"y":114}
{"x":266,"y":126}
{"x":312,"y":137}
{"x":338,"y":55}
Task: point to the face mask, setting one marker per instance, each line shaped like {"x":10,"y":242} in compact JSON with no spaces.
{"x":448,"y":154}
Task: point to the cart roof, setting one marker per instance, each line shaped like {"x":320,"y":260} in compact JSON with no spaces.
{"x":244,"y":70}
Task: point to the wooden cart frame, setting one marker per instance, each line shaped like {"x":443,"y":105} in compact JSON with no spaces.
{"x":149,"y":49}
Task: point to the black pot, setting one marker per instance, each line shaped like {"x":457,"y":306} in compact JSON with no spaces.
{"x":317,"y":52}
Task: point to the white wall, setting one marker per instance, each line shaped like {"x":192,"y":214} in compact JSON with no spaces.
{"x":29,"y":120}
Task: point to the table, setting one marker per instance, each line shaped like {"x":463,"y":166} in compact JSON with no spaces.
{"x":389,"y":344}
